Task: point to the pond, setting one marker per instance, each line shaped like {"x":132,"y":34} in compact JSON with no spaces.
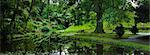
{"x":99,"y":49}
{"x":95,"y":49}
{"x":142,"y":38}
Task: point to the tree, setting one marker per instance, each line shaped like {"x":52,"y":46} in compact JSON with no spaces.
{"x":15,"y":15}
{"x":140,"y":7}
{"x":99,"y":21}
{"x":142,"y":13}
{"x":7,"y":23}
{"x":102,"y":7}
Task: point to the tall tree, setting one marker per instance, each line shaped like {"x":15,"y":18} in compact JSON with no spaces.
{"x":99,"y":21}
{"x":101,"y":7}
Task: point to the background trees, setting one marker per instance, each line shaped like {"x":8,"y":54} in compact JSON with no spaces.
{"x":35,"y":21}
{"x":141,"y":12}
{"x":110,"y":10}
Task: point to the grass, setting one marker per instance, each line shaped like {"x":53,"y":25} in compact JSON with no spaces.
{"x":89,"y":27}
{"x":147,"y":25}
{"x":73,"y":28}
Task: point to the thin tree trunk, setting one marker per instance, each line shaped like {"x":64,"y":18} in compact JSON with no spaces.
{"x":135,"y":21}
{"x":99,"y":21}
{"x":75,"y":45}
{"x":48,"y":5}
{"x":146,"y":53}
{"x":13,"y":21}
{"x":60,"y":50}
{"x":99,"y":50}
{"x":99,"y":25}
{"x":120,"y":51}
{"x":1,"y":26}
{"x":137,"y":52}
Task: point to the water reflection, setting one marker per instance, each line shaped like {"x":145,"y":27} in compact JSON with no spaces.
{"x":143,"y":39}
{"x":96,"y":49}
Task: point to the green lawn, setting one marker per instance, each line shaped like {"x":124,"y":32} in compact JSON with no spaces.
{"x":107,"y":27}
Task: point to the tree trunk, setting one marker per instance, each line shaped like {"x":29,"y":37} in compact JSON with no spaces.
{"x":1,"y":25}
{"x":137,"y":52}
{"x":75,"y":45}
{"x":120,"y":51}
{"x":99,"y":21}
{"x":135,"y":21}
{"x":99,"y":50}
{"x":146,"y":53}
{"x":99,"y":25}
{"x":60,"y":50}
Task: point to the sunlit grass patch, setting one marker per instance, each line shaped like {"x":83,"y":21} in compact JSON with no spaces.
{"x":74,"y":28}
{"x":147,"y":25}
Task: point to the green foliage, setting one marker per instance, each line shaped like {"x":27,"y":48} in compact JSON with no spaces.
{"x":30,"y":25}
{"x":113,"y":16}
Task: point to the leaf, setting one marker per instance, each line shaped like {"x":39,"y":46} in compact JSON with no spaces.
{"x":25,"y":13}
